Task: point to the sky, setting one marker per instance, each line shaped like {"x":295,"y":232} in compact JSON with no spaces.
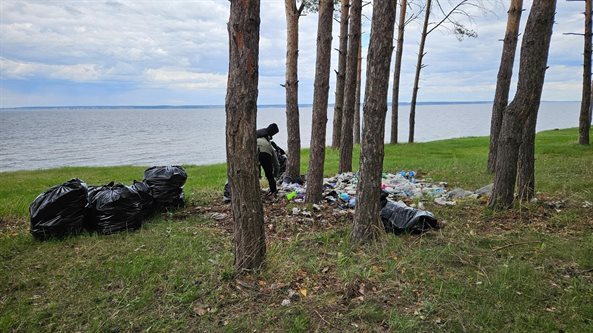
{"x":175,"y":52}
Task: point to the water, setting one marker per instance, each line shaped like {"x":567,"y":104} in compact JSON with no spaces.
{"x":48,"y":138}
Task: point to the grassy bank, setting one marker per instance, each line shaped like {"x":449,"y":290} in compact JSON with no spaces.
{"x":524,"y":270}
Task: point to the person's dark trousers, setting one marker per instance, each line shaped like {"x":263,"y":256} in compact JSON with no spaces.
{"x":265,"y":161}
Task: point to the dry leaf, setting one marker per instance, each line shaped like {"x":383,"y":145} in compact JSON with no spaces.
{"x":200,"y":311}
{"x":303,"y":292}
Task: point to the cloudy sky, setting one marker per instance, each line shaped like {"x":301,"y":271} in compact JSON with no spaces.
{"x":175,"y":52}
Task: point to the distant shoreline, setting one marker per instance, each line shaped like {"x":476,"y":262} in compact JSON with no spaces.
{"x":150,"y":107}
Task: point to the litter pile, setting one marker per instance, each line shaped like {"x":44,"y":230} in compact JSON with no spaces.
{"x":73,"y":207}
{"x":340,"y":191}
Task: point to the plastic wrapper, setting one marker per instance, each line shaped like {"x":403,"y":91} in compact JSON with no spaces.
{"x":59,"y":211}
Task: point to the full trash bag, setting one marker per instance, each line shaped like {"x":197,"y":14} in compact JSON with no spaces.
{"x":146,"y":200}
{"x":59,"y":211}
{"x":114,"y":208}
{"x":398,"y":218}
{"x":166,"y":183}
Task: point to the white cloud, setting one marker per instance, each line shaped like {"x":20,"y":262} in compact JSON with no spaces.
{"x":23,"y":70}
{"x":183,"y":45}
{"x":184,"y":79}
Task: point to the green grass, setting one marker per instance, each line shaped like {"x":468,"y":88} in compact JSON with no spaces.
{"x":525,"y":270}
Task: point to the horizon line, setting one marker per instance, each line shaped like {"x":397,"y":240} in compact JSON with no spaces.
{"x":202,"y":106}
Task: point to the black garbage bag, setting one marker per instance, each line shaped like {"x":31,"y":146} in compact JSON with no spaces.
{"x":146,"y":200}
{"x":59,"y":211}
{"x":114,"y":208}
{"x":399,"y":218}
{"x":282,"y":158}
{"x":166,"y":183}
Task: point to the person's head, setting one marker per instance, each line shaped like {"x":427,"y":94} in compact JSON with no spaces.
{"x":272,"y":129}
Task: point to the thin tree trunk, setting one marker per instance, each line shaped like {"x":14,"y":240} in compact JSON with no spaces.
{"x":341,"y":75}
{"x":526,"y":173}
{"x":397,"y":70}
{"x":320,"y":93}
{"x":367,"y":223}
{"x":505,"y":74}
{"x":241,"y":115}
{"x":532,"y":69}
{"x":356,"y":129}
{"x":585,"y":116}
{"x":293,"y":131}
{"x":418,"y":68}
{"x":350,"y":90}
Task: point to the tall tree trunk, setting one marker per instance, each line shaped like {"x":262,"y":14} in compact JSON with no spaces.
{"x":397,"y":70}
{"x":532,"y":70}
{"x":367,"y":222}
{"x":526,"y":174}
{"x":350,"y":90}
{"x":241,"y":115}
{"x":505,"y":74}
{"x":341,"y":75}
{"x":356,"y":129}
{"x":418,"y":69}
{"x":320,"y":93}
{"x":293,"y":131}
{"x":585,"y":116}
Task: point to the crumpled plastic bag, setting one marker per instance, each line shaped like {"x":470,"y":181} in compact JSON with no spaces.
{"x":398,"y":218}
{"x":59,"y":211}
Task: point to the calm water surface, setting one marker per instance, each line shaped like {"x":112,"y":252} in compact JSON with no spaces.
{"x":47,"y":138}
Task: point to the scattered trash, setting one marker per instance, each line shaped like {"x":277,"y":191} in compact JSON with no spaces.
{"x":285,"y":302}
{"x":291,"y":195}
{"x":458,"y":193}
{"x":443,"y":202}
{"x":557,"y":205}
{"x":485,"y":191}
{"x":218,"y":216}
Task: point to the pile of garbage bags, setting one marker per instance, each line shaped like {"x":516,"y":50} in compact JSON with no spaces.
{"x":74,"y":207}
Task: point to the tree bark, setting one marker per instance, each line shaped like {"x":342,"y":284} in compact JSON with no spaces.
{"x":293,"y":131}
{"x":505,"y":74}
{"x":367,"y":222}
{"x":241,"y":115}
{"x":526,"y":175}
{"x":356,"y":129}
{"x":532,"y":69}
{"x":397,"y":70}
{"x":418,"y":69}
{"x":341,"y":75}
{"x":350,"y":89}
{"x":320,"y":94}
{"x":585,"y":116}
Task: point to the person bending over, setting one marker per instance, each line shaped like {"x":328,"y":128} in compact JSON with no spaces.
{"x":269,"y":162}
